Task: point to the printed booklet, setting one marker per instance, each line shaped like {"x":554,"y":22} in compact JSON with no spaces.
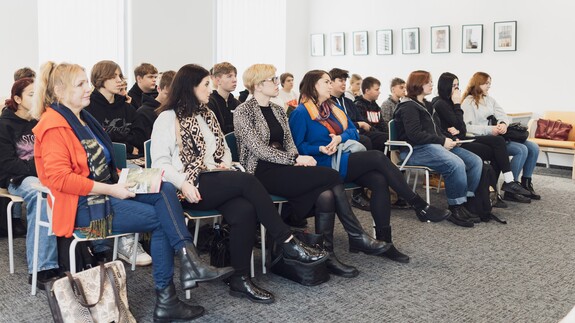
{"x":142,"y":180}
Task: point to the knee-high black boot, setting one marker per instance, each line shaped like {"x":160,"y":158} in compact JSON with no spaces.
{"x":193,"y":269}
{"x":169,"y":308}
{"x":384,"y":234}
{"x":324,"y":223}
{"x":426,"y":212}
{"x":358,"y":239}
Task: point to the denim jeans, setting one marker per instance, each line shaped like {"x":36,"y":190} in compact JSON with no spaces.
{"x":460,"y":168}
{"x":524,"y":158}
{"x":48,"y":251}
{"x":160,"y":214}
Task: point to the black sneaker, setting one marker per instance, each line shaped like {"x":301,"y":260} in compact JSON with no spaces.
{"x":515,"y":188}
{"x":44,"y":277}
{"x":360,"y":201}
{"x":499,"y":202}
{"x":516,"y":198}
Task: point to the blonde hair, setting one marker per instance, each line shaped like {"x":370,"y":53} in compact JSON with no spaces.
{"x":51,"y":76}
{"x":257,"y":73}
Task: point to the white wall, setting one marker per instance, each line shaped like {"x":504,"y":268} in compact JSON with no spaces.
{"x":172,"y":33}
{"x":18,"y":39}
{"x":535,"y":78}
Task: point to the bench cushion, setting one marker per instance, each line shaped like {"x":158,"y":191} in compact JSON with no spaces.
{"x":553,"y":143}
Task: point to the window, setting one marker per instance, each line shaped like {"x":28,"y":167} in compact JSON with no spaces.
{"x":250,"y":32}
{"x":81,"y":32}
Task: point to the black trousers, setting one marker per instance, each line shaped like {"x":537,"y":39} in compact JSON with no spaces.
{"x":243,"y":201}
{"x":372,"y":169}
{"x":378,"y":139}
{"x":492,"y":149}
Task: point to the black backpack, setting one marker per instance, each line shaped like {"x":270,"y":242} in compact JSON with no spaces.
{"x":481,"y":203}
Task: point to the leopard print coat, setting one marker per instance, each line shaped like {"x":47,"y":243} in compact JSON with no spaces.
{"x":253,"y":136}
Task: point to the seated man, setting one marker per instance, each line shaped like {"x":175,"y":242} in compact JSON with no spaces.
{"x":146,"y":75}
{"x":397,"y":89}
{"x":368,"y":107}
{"x":222,"y":102}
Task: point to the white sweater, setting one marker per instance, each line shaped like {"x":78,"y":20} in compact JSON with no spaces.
{"x":476,"y":116}
{"x":165,"y":153}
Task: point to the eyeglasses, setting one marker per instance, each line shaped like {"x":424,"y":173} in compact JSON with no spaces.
{"x":455,"y":86}
{"x":275,"y":80}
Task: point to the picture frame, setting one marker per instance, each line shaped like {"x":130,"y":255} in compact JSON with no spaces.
{"x":360,"y":44}
{"x":384,"y":42}
{"x":317,"y":45}
{"x":440,"y":39}
{"x":337,"y":44}
{"x":472,"y":38}
{"x":505,"y":36}
{"x":410,"y":40}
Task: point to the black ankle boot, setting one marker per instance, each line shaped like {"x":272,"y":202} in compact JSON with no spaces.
{"x":426,"y":212}
{"x":296,"y":250}
{"x":194,"y":270}
{"x":324,"y":223}
{"x":384,"y":234}
{"x":169,"y":308}
{"x":358,"y":239}
{"x":243,"y":287}
{"x":528,"y":185}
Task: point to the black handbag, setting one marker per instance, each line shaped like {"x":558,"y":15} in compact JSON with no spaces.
{"x":515,"y":131}
{"x":308,"y":275}
{"x":220,"y":246}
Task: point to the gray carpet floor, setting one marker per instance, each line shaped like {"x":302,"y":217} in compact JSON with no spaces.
{"x":520,"y":272}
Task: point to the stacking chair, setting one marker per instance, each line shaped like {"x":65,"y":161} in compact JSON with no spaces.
{"x":43,"y":195}
{"x":13,"y":199}
{"x":393,"y":145}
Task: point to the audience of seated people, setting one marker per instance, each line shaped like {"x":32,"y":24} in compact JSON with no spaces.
{"x":69,"y":150}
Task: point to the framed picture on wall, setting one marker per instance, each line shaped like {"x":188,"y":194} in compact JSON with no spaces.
{"x":440,"y":39}
{"x":384,"y":42}
{"x":410,"y":40}
{"x":360,"y":43}
{"x":505,"y":36}
{"x":337,"y":44}
{"x":317,"y":48}
{"x":472,"y":39}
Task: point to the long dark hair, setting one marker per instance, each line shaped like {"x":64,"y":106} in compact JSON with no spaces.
{"x":307,"y":89}
{"x":182,"y":98}
{"x":445,"y":85}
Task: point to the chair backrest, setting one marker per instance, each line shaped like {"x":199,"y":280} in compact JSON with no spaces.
{"x":147,"y":157}
{"x":232,"y":142}
{"x":392,"y":134}
{"x":120,"y":155}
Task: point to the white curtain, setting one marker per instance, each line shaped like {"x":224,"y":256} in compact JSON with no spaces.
{"x":82,"y":32}
{"x":250,"y":32}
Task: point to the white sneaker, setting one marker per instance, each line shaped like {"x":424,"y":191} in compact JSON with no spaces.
{"x":126,"y":250}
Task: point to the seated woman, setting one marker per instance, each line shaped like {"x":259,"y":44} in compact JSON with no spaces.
{"x":18,"y":173}
{"x":189,"y":145}
{"x":267,"y":150}
{"x":478,"y":106}
{"x":490,"y":148}
{"x":417,"y":123}
{"x":318,"y":127}
{"x":74,"y":159}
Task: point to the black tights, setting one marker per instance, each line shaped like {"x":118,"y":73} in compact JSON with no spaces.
{"x":372,"y":169}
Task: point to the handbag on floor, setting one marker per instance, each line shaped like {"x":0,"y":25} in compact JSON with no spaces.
{"x":481,"y":203}
{"x":552,"y":129}
{"x":220,"y":246}
{"x":95,"y":295}
{"x":307,"y":275}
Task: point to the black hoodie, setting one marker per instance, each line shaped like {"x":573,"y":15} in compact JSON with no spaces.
{"x":116,"y":118}
{"x":136,"y":94}
{"x":418,"y":124}
{"x":17,"y":148}
{"x":224,"y":110}
{"x":450,"y":115}
{"x":371,"y":112}
{"x":145,"y":117}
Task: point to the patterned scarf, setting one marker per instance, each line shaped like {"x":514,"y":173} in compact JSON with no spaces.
{"x":100,"y":210}
{"x":322,"y":115}
{"x":193,"y":150}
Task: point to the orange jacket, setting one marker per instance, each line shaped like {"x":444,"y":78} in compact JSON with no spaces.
{"x":62,"y":166}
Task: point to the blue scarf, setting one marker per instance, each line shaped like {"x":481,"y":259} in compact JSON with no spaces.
{"x":100,"y":213}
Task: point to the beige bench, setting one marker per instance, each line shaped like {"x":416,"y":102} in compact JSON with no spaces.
{"x":556,"y":146}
